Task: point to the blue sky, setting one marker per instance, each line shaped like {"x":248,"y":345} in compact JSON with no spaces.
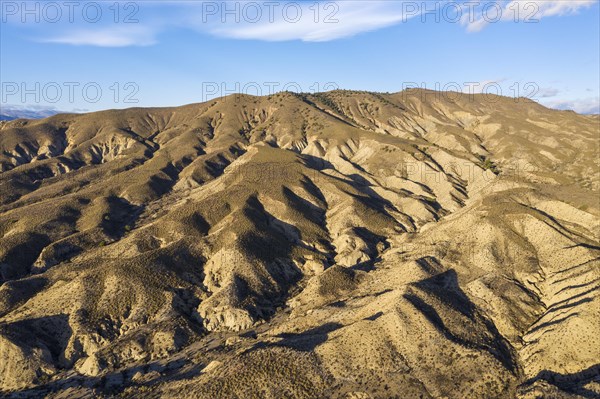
{"x":76,"y":56}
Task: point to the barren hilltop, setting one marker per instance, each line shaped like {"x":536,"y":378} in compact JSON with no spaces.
{"x":336,"y":245}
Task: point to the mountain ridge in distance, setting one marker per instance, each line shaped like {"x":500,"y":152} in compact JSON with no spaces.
{"x":11,"y":112}
{"x":342,"y":244}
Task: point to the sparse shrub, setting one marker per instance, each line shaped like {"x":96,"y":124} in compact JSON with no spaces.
{"x":488,"y":164}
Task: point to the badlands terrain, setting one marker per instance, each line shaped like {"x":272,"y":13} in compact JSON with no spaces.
{"x":337,"y":245}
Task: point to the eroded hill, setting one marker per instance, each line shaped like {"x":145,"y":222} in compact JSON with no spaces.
{"x":344,"y":244}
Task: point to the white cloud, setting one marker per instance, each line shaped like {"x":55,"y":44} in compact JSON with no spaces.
{"x":106,"y":37}
{"x":335,"y":19}
{"x":548,"y":8}
{"x":344,"y":20}
{"x":277,"y":22}
{"x":520,"y":11}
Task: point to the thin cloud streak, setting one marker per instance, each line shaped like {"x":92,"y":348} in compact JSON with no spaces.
{"x":521,"y":11}
{"x":110,"y":37}
{"x":349,"y":19}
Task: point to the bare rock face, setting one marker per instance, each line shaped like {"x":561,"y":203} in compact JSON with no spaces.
{"x":22,"y":365}
{"x":227,"y":318}
{"x":342,"y":244}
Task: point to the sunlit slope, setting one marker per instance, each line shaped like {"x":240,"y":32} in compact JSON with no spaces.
{"x":343,"y":244}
